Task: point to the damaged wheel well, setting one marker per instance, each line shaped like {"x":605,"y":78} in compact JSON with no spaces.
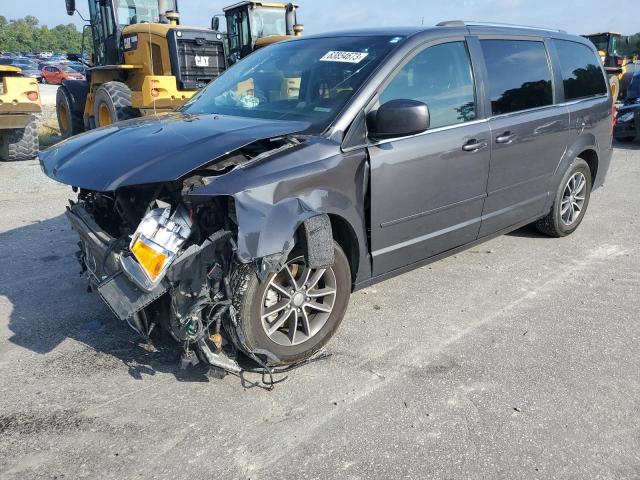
{"x":346,"y":237}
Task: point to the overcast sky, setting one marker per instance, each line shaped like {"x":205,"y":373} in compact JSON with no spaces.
{"x":578,"y":16}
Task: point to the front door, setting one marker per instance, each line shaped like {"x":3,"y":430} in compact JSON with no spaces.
{"x":428,"y":190}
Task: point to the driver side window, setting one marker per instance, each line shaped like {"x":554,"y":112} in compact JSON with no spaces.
{"x":442,"y":78}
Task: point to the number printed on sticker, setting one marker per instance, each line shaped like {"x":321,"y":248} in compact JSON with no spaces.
{"x":346,"y":57}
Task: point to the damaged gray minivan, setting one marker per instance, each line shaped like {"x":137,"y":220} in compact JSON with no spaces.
{"x":321,"y":165}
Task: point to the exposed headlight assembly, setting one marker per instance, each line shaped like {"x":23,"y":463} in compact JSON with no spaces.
{"x":155,"y":245}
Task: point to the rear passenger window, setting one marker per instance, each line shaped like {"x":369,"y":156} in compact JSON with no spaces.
{"x":441,"y":77}
{"x":519,"y":75}
{"x":581,"y":73}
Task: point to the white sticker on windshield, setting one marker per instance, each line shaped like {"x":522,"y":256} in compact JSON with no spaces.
{"x":346,"y":57}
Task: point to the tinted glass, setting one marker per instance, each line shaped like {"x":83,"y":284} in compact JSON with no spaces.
{"x":440,"y":77}
{"x":581,"y":72}
{"x":519,"y":75}
{"x":634,"y":87}
{"x":306,"y":80}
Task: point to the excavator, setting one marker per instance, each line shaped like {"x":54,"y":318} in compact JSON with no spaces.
{"x":144,"y":62}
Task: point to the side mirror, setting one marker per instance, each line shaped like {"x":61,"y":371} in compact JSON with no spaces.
{"x":71,"y":7}
{"x":215,"y":24}
{"x":398,"y":118}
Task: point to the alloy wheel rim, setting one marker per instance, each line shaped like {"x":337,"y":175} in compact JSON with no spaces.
{"x":573,"y":199}
{"x":297,"y":303}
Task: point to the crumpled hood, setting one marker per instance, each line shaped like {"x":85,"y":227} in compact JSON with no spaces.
{"x":154,"y":150}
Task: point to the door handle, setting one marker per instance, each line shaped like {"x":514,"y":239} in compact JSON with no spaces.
{"x":474,"y":145}
{"x":506,"y":137}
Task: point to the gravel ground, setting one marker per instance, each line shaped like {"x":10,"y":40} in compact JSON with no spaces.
{"x":519,"y":358}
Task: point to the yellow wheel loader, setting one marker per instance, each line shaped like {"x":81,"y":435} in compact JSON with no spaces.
{"x":144,"y":62}
{"x":19,"y":103}
{"x":613,"y":49}
{"x":253,"y":25}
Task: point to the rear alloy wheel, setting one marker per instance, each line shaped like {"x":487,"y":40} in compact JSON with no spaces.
{"x":113,"y":104}
{"x":571,"y":202}
{"x":294,"y":312}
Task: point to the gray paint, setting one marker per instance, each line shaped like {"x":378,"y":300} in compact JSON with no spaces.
{"x":427,"y":197}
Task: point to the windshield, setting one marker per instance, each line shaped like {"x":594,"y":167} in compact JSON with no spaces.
{"x":600,"y":41}
{"x":301,"y":80}
{"x":268,"y":21}
{"x":67,"y":69}
{"x":130,"y":12}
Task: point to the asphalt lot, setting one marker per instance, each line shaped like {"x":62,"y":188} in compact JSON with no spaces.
{"x":517,"y":359}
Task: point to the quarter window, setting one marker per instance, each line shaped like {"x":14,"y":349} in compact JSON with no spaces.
{"x":441,"y":77}
{"x":581,"y":73}
{"x":519,"y":75}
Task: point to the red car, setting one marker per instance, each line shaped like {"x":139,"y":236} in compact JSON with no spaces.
{"x":56,"y":74}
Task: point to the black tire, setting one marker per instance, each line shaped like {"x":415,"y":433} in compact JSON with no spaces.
{"x":552,"y":224}
{"x":70,"y":120}
{"x":248,"y":295}
{"x":20,"y":144}
{"x":115,"y":97}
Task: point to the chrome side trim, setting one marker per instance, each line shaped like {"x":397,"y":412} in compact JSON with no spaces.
{"x":430,"y":212}
{"x":428,"y":132}
{"x":426,"y":237}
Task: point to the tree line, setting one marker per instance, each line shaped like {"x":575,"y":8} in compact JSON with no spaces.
{"x":27,"y":35}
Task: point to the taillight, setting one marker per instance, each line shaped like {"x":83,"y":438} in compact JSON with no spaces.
{"x":33,"y":96}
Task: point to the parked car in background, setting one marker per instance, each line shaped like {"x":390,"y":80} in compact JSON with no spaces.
{"x":56,"y":74}
{"x":78,"y":67}
{"x":627,"y":125}
{"x":28,"y":68}
{"x":255,"y":210}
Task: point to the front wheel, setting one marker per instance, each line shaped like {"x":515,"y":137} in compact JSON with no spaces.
{"x":293,"y":313}
{"x":113,"y":104}
{"x":571,"y":202}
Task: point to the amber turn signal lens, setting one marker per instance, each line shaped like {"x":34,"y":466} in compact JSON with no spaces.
{"x":33,"y":96}
{"x":151,"y":260}
{"x":155,"y":92}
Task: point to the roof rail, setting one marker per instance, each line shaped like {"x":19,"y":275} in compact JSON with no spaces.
{"x":461,"y":23}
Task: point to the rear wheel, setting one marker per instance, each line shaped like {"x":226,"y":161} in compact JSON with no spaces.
{"x":294,"y":312}
{"x":571,"y":202}
{"x":20,"y":144}
{"x":70,"y":120}
{"x":113,"y":104}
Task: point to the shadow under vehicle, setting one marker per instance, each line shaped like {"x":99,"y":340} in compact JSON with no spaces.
{"x":241,"y":223}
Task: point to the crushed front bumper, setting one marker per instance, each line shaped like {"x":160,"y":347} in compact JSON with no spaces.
{"x":103,"y":265}
{"x":111,"y":274}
